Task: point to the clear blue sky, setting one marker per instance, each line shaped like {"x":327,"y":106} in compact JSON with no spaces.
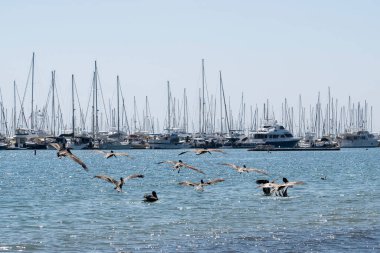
{"x":266,"y":49}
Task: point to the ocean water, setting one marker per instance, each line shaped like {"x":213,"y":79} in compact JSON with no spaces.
{"x":53,"y":205}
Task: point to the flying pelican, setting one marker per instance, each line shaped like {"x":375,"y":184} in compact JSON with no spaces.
{"x":203,"y":151}
{"x":151,"y":197}
{"x":118,"y":184}
{"x":245,"y":169}
{"x":111,"y":154}
{"x":66,"y":152}
{"x":281,"y":190}
{"x":178,"y":165}
{"x":199,"y":186}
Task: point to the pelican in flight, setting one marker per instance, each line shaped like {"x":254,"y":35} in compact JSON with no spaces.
{"x":66,"y":152}
{"x":151,"y":197}
{"x":199,"y":186}
{"x":111,"y":154}
{"x":178,"y":165}
{"x":245,"y":169}
{"x":273,"y":189}
{"x":203,"y":151}
{"x":118,"y":184}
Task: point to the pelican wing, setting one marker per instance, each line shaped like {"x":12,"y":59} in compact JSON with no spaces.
{"x":56,"y":146}
{"x":134,"y":176}
{"x":100,"y":152}
{"x":183,"y":152}
{"x":215,"y":181}
{"x":171,"y":162}
{"x":269,"y":185}
{"x":294,"y":183}
{"x":201,"y":151}
{"x":77,"y":160}
{"x":231,"y":165}
{"x":188,"y":183}
{"x":192,"y":168}
{"x":262,"y":181}
{"x":120,"y":154}
{"x":255,"y":170}
{"x":216,"y":150}
{"x":107,"y":178}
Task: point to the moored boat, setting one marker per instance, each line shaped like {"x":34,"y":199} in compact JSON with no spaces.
{"x":357,"y":139}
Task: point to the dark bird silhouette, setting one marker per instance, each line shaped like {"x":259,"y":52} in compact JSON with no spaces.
{"x":151,"y":197}
{"x":203,"y":151}
{"x":178,"y":165}
{"x":273,"y":189}
{"x":245,"y":169}
{"x":66,"y":152}
{"x":111,"y":154}
{"x":118,"y":184}
{"x":324,"y":177}
{"x":266,"y":190}
{"x":199,"y":186}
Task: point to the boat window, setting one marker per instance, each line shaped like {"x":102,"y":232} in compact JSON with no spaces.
{"x":288,"y":135}
{"x":281,"y":127}
{"x":282,"y":136}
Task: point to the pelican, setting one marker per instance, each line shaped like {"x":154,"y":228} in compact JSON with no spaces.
{"x":199,"y":186}
{"x":245,"y":169}
{"x":118,"y":184}
{"x":111,"y":154}
{"x":273,"y":189}
{"x":203,"y":151}
{"x":66,"y":152}
{"x":178,"y":165}
{"x":151,"y":197}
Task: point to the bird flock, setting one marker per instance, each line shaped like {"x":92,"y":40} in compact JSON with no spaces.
{"x":270,"y":188}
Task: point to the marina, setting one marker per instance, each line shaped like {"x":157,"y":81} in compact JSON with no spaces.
{"x":189,"y":126}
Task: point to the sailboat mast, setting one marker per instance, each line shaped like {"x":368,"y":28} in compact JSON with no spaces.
{"x":14,"y":106}
{"x":118,"y":109}
{"x":96,"y":100}
{"x":203,"y":96}
{"x":221,"y":102}
{"x":53,"y":104}
{"x":93,"y":107}
{"x":32,"y":113}
{"x":72,"y":97}
{"x":168,"y":84}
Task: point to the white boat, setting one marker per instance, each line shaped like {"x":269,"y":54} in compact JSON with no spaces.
{"x":166,"y":141}
{"x":273,"y":134}
{"x":31,"y":139}
{"x":357,"y":139}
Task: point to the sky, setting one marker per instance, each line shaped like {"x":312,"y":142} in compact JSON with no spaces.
{"x":266,"y":50}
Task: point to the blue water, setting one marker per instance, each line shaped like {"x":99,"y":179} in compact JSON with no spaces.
{"x":53,"y":205}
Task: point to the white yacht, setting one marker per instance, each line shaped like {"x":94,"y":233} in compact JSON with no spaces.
{"x":170,"y":140}
{"x":357,"y":139}
{"x":273,"y":134}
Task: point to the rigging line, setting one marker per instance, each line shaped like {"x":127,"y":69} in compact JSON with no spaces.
{"x":2,"y":111}
{"x":80,"y":107}
{"x":89,"y":100}
{"x":124,"y":109}
{"x":55,"y":86}
{"x":44,"y":110}
{"x":22,"y":112}
{"x":104,"y":105}
{"x":26,"y":88}
{"x":126,"y":117}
